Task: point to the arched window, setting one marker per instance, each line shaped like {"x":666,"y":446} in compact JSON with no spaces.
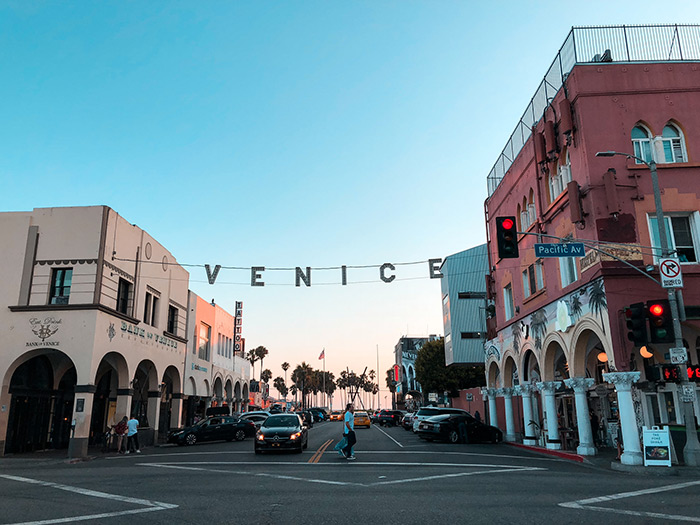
{"x":559,"y":180}
{"x":673,"y":144}
{"x":641,"y":141}
{"x":531,"y":207}
{"x":524,"y":215}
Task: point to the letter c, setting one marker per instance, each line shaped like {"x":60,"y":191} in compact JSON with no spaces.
{"x":383,"y":268}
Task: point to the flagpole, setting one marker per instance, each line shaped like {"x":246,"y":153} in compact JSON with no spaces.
{"x":325,"y":396}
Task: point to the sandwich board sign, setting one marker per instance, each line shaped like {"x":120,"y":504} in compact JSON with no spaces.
{"x":657,"y":447}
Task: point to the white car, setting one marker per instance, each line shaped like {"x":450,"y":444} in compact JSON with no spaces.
{"x":426,"y":412}
{"x":258,"y":417}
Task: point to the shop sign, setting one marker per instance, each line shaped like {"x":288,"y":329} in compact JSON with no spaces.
{"x":657,"y":451}
{"x":44,"y":329}
{"x":140,"y":332}
{"x":200,"y":368}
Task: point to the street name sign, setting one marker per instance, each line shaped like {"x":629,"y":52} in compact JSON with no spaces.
{"x":670,"y":270}
{"x":678,"y":355}
{"x":565,"y":249}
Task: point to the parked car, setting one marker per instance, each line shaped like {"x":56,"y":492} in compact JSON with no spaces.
{"x":362,"y":419}
{"x":426,"y":412}
{"x":319,"y":414}
{"x":407,"y":421}
{"x":390,"y":417}
{"x":257,"y":417}
{"x":446,"y":427}
{"x":213,"y":428}
{"x":336,"y":415}
{"x":307,"y":418}
{"x":282,"y":432}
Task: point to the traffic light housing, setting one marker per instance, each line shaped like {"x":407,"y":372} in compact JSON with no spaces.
{"x":637,"y":324}
{"x":507,"y":237}
{"x":396,"y":373}
{"x":660,"y":321}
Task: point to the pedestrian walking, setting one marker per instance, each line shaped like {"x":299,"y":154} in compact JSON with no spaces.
{"x":120,"y":429}
{"x":132,"y":436}
{"x":477,"y":416}
{"x":349,"y":432}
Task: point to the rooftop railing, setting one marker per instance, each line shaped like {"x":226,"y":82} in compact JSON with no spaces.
{"x":585,"y":45}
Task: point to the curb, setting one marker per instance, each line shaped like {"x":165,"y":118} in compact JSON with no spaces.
{"x":570,"y":456}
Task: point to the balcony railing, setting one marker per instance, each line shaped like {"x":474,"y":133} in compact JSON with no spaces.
{"x":585,"y":45}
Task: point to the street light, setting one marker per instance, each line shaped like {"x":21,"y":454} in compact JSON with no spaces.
{"x":691,"y":452}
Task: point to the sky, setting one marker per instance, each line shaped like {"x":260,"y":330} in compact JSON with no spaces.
{"x":284,"y":134}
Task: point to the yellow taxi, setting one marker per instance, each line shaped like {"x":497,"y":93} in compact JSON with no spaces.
{"x":362,"y":419}
{"x":336,"y":415}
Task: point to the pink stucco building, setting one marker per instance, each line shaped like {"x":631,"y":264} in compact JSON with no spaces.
{"x":560,"y":323}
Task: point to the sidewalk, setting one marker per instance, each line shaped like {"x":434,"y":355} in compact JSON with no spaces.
{"x":606,"y":459}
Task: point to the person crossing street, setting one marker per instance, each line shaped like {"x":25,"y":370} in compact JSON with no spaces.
{"x":349,"y":432}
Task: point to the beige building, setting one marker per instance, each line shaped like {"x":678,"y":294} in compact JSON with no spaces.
{"x":94,"y":328}
{"x":216,"y":374}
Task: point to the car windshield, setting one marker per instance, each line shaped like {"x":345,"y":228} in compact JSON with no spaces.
{"x":282,"y":421}
{"x":360,"y":414}
{"x":428,"y":412}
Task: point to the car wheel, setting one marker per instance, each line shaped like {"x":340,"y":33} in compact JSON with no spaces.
{"x":453,"y":436}
{"x":191,"y":439}
{"x":240,"y":435}
{"x":306,"y":445}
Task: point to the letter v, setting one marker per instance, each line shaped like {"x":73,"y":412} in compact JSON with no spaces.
{"x":212,"y":276}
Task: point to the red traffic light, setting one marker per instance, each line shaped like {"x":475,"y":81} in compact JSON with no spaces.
{"x":656,"y":310}
{"x":508,"y":224}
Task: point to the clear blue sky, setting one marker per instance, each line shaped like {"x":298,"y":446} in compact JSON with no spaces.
{"x":284,"y":134}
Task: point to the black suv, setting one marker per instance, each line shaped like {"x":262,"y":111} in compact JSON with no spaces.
{"x":212,"y":429}
{"x":390,"y":417}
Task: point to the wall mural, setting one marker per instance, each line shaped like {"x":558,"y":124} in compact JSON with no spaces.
{"x":562,"y":315}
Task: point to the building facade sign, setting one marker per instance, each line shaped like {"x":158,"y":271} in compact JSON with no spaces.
{"x":140,"y":332}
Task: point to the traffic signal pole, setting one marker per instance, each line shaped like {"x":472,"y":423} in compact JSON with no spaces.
{"x":691,"y":452}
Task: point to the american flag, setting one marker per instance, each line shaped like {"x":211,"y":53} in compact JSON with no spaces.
{"x":323,"y":354}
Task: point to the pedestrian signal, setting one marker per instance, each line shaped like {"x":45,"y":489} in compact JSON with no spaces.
{"x":507,"y":237}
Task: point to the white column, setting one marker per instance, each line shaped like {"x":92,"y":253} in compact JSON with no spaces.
{"x":580,"y":386}
{"x":493,"y":411}
{"x":628,"y":422}
{"x":507,"y":394}
{"x":525,"y":390}
{"x":548,"y":388}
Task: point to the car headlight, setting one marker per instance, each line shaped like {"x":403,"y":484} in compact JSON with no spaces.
{"x":260,"y":436}
{"x":296,"y":435}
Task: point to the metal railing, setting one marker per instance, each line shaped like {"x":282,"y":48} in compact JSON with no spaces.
{"x":585,"y":45}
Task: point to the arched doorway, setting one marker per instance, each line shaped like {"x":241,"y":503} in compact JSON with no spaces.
{"x":168,"y":407}
{"x":40,"y":415}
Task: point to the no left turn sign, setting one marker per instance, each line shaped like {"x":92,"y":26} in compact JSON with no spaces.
{"x":670,"y":270}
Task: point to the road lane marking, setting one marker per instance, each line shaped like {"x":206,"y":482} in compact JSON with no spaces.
{"x":586,"y":504}
{"x":150,"y":506}
{"x":317,"y":455}
{"x":387,"y":435}
{"x":507,"y":469}
{"x":456,"y":475}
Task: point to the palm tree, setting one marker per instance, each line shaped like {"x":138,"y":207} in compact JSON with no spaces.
{"x":261,"y":352}
{"x":576,"y":307}
{"x":285,"y":367}
{"x":597,"y":300}
{"x":281,"y":386}
{"x":252,"y":357}
{"x":538,"y":326}
{"x":265,"y":375}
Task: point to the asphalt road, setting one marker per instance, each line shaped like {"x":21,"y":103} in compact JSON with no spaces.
{"x":396,"y":478}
